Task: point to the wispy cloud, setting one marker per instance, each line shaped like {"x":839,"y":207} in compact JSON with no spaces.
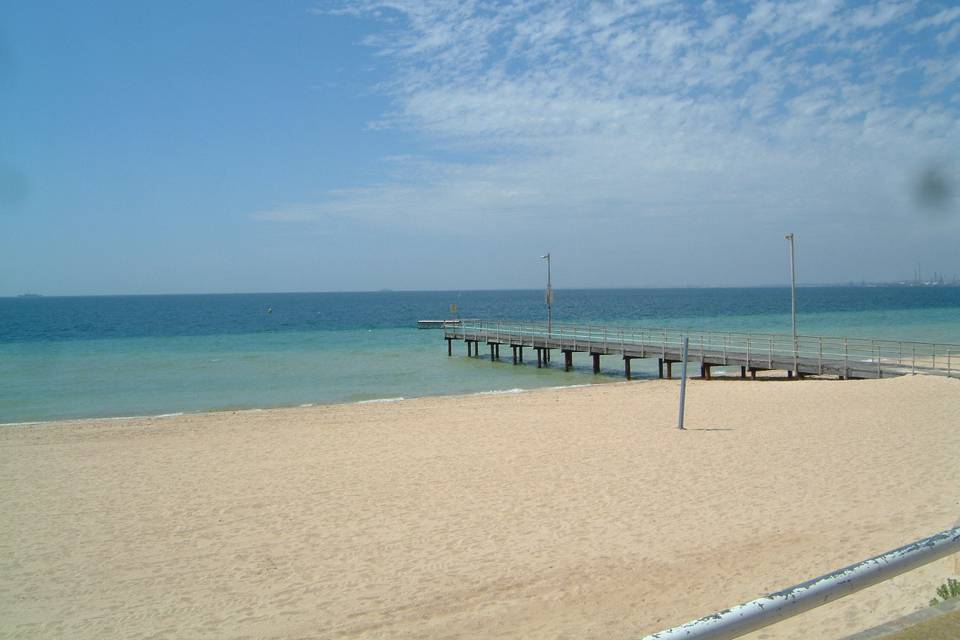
{"x":939,"y":19}
{"x":770,"y":110}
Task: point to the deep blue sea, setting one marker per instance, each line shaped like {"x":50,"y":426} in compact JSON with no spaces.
{"x":80,"y":357}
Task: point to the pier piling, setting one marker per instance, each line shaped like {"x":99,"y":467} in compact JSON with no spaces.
{"x":626,"y":367}
{"x":596,"y":362}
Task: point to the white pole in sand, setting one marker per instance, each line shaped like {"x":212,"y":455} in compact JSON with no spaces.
{"x":683,"y":379}
{"x":793,"y":300}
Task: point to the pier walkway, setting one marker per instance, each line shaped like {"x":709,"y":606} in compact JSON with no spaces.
{"x":847,"y":358}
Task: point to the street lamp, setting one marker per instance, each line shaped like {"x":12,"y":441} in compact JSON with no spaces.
{"x":549,"y":296}
{"x":793,"y":297}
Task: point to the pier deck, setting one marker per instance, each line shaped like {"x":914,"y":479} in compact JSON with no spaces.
{"x":811,"y":355}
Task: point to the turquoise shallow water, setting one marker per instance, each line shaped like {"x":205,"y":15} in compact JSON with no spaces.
{"x":146,"y":355}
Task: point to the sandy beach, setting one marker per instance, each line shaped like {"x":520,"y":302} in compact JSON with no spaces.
{"x":558,"y":513}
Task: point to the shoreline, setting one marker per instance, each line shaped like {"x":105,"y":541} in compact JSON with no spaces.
{"x":766,"y":375}
{"x":555,"y":511}
{"x":175,"y":414}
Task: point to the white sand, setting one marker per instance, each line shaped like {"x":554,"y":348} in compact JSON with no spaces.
{"x":564,"y":513}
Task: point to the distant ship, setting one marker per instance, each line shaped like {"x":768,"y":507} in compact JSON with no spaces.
{"x":29,"y":295}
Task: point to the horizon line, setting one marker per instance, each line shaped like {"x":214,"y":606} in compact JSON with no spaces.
{"x":390,"y":290}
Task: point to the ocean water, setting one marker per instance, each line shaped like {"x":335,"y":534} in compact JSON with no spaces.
{"x":80,"y":357}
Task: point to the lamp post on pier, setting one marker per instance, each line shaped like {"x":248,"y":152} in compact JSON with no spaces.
{"x":549,"y":296}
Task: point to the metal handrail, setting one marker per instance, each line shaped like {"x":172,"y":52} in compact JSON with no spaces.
{"x":750,"y":616}
{"x":870,"y":344}
{"x":785,"y":336}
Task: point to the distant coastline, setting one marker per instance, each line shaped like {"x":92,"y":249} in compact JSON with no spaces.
{"x":939,"y":284}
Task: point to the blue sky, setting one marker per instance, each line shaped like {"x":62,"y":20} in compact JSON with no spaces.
{"x":300,"y":146}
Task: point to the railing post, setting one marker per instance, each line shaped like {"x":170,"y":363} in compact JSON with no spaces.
{"x":725,"y":348}
{"x":748,"y":351}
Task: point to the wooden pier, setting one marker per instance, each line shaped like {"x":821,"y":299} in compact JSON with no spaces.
{"x":847,"y":358}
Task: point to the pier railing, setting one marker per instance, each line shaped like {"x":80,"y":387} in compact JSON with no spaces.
{"x":858,"y":357}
